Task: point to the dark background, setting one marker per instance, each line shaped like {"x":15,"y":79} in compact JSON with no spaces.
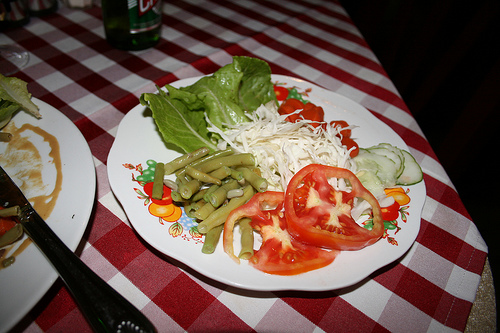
{"x":444,"y":59}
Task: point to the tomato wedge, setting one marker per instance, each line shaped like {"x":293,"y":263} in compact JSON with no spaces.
{"x":319,"y":215}
{"x":6,"y":224}
{"x":279,"y":253}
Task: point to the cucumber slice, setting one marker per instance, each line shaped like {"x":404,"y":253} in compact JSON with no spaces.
{"x":371,"y":182}
{"x":391,"y":152}
{"x":412,"y":172}
{"x":383,"y":167}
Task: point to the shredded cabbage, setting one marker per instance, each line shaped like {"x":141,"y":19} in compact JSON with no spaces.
{"x":282,"y":148}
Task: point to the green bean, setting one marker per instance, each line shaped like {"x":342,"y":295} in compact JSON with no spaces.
{"x":199,"y":195}
{"x":193,"y":207}
{"x":211,"y":239}
{"x":217,"y":197}
{"x":181,"y":179}
{"x":5,"y":137}
{"x":188,"y":189}
{"x":221,"y":173}
{"x":201,"y":176}
{"x":176,"y":196}
{"x":230,"y":161}
{"x":10,"y":211}
{"x":203,"y":212}
{"x":185,"y":159}
{"x":220,"y":215}
{"x":246,"y":232}
{"x":157,"y":192}
{"x":8,"y":261}
{"x":210,"y":190}
{"x":238,"y":175}
{"x":259,"y":183}
{"x":214,"y":155}
{"x":11,"y":235}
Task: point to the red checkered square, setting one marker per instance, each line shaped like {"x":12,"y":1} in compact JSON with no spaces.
{"x":184,"y":300}
{"x":120,"y":246}
{"x":150,"y":273}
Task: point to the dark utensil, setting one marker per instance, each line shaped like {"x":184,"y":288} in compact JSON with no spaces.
{"x":105,"y":309}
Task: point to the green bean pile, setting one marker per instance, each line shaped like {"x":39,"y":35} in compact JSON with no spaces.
{"x":210,"y":186}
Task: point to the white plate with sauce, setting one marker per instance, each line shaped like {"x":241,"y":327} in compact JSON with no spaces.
{"x":50,"y":160}
{"x":138,"y":141}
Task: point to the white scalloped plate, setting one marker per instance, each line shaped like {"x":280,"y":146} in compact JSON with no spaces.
{"x":138,"y":141}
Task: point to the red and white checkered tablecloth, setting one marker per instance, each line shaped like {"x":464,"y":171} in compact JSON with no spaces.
{"x":74,"y":69}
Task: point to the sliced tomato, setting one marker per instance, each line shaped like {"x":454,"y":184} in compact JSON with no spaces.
{"x":343,"y":130}
{"x":288,"y":107}
{"x":319,"y":215}
{"x":6,"y":224}
{"x":351,"y":145}
{"x":279,"y":253}
{"x":314,"y":113}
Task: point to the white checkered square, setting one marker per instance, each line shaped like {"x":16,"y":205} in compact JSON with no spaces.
{"x":99,"y":264}
{"x":359,"y":294}
{"x":55,"y":81}
{"x":429,"y":265}
{"x":129,"y":290}
{"x":250,"y":309}
{"x":460,"y":283}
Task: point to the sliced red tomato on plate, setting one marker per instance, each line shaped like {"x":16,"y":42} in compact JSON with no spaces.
{"x":279,"y":253}
{"x":6,"y":223}
{"x":319,"y":215}
{"x":288,"y":107}
{"x":343,"y":130}
{"x":351,"y":145}
{"x":314,"y":113}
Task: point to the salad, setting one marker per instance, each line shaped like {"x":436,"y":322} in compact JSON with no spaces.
{"x":302,"y":184}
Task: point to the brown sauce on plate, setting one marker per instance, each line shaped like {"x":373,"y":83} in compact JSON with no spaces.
{"x":24,"y":162}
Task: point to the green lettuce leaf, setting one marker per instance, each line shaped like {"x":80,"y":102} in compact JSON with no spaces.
{"x":178,"y":124}
{"x":224,"y":97}
{"x":256,"y":87}
{"x":14,"y":95}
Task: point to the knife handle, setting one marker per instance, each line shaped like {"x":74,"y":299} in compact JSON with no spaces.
{"x":105,"y":309}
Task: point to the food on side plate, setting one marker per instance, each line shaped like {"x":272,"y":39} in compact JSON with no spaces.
{"x":10,"y":232}
{"x":14,"y":96}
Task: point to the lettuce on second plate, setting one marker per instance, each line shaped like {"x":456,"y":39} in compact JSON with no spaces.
{"x":14,"y":95}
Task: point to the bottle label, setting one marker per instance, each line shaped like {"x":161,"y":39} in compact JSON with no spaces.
{"x":144,"y":15}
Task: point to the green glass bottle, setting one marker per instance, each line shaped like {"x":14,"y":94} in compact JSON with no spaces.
{"x":132,"y":24}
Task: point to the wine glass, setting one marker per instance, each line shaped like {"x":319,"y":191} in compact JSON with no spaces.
{"x":12,"y":58}
{"x":13,"y":14}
